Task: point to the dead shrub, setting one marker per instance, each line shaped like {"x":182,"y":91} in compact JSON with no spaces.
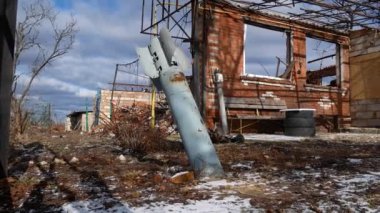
{"x":131,"y":127}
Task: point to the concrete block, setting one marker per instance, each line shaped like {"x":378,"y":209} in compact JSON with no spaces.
{"x":365,"y":115}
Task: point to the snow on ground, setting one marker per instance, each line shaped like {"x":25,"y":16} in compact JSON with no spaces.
{"x":268,"y":137}
{"x":99,"y":205}
{"x":217,"y":203}
{"x":225,"y":195}
{"x":350,"y":189}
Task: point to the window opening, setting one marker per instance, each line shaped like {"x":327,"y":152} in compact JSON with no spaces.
{"x":266,"y":51}
{"x":321,"y":62}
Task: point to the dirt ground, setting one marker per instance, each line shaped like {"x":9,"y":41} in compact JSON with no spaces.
{"x":71,"y":172}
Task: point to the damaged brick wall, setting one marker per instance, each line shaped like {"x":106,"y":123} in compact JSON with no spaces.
{"x":365,"y":87}
{"x":121,"y":99}
{"x":220,"y":37}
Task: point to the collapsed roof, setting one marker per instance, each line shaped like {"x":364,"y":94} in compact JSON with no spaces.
{"x":338,"y":15}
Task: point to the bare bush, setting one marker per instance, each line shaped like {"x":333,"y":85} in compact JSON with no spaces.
{"x":131,"y":127}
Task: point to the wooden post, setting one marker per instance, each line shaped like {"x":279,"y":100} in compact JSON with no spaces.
{"x":8,"y":11}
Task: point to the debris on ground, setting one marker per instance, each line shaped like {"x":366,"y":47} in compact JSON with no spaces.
{"x":182,"y":177}
{"x":331,"y":172}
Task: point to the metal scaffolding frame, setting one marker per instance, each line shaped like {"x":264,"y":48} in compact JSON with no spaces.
{"x":342,"y":15}
{"x":173,"y":14}
{"x":131,"y":69}
{"x":337,"y":14}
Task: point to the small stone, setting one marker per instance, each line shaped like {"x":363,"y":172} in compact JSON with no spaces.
{"x":122,"y":158}
{"x":182,"y":177}
{"x":157,"y":179}
{"x":11,"y":180}
{"x":59,"y":161}
{"x":136,"y":194}
{"x":289,"y":164}
{"x":74,"y":160}
{"x":175,"y":169}
{"x":43,"y":163}
{"x":31,"y":163}
{"x":161,"y":188}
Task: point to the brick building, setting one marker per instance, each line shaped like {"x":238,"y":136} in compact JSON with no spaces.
{"x":220,"y":45}
{"x":120,"y":99}
{"x":222,"y":39}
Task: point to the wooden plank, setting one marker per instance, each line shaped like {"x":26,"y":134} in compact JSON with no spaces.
{"x":256,"y":117}
{"x":365,"y":51}
{"x":254,"y":101}
{"x":364,"y":46}
{"x":253,"y":106}
{"x":366,"y":123}
{"x":365,"y":40}
{"x":365,"y":77}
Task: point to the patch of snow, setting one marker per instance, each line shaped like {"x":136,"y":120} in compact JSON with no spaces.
{"x":268,"y":137}
{"x":215,"y":204}
{"x":218,"y":184}
{"x":375,"y":173}
{"x":355,"y":161}
{"x":111,"y":178}
{"x":175,"y":169}
{"x":243,"y":165}
{"x":350,"y":189}
{"x":99,"y":205}
{"x":253,"y":177}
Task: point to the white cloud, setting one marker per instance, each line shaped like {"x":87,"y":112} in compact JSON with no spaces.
{"x":51,"y":83}
{"x":108,"y":33}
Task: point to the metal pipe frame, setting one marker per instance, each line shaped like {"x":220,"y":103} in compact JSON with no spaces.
{"x":166,"y":15}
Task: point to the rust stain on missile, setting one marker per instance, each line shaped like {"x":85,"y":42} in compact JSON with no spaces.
{"x":178,"y":77}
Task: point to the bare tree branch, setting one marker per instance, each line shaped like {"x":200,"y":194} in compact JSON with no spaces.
{"x":28,"y":39}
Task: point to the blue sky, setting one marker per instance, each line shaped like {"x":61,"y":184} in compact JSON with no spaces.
{"x":109,"y":32}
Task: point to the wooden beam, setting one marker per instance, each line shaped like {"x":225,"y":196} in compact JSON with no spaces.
{"x":8,"y":10}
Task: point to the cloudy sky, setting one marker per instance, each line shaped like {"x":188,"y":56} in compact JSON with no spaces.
{"x":109,"y":32}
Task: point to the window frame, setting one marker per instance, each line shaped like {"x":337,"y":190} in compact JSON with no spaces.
{"x":288,"y":44}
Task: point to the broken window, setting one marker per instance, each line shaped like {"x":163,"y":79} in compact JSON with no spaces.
{"x":321,"y":62}
{"x":265,"y":51}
